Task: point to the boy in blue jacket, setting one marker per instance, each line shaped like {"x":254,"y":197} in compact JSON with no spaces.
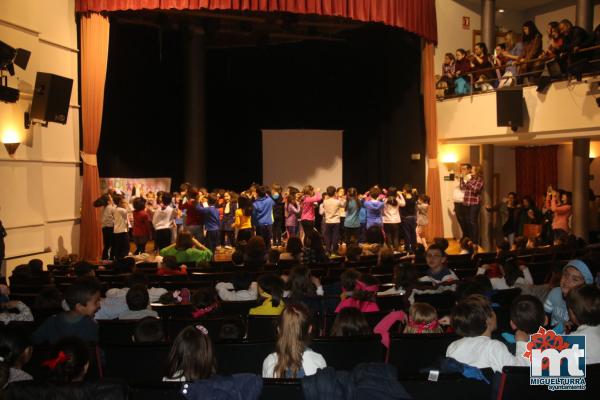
{"x":262,"y":215}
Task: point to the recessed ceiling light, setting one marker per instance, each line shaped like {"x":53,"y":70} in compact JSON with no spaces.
{"x":501,"y":10}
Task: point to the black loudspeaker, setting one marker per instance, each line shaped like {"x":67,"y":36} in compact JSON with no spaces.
{"x":509,"y":107}
{"x":51,"y":97}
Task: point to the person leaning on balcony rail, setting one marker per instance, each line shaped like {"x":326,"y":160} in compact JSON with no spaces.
{"x":532,"y":48}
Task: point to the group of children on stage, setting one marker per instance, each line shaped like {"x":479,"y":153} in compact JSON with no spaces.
{"x":223,"y":218}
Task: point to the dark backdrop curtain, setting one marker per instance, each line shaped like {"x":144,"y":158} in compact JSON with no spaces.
{"x":416,"y":16}
{"x":537,"y":167}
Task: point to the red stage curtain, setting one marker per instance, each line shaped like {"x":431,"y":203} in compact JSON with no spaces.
{"x":537,"y":167}
{"x":416,"y":16}
{"x":94,"y":56}
{"x":435,"y":227}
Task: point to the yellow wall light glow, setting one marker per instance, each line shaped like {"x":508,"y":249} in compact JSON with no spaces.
{"x":449,"y":158}
{"x":10,"y":136}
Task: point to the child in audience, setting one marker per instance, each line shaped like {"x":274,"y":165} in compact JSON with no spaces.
{"x":293,"y":358}
{"x":440,"y":276}
{"x":350,"y":321}
{"x":7,"y":313}
{"x":142,"y":227}
{"x":270,"y":288}
{"x":84,"y":269}
{"x":527,"y":315}
{"x":303,"y":287}
{"x":69,"y":361}
{"x":83,"y":299}
{"x":115,"y":301}
{"x":511,"y":274}
{"x":169,"y":266}
{"x":138,"y":304}
{"x":149,"y":330}
{"x":241,"y":288}
{"x":292,"y":211}
{"x":474,"y":320}
{"x":314,"y":252}
{"x":363,"y":295}
{"x":191,"y":356}
{"x":15,"y":352}
{"x":422,"y":318}
{"x":405,"y":280}
{"x":422,"y":218}
{"x":576,"y":273}
{"x":583,"y":303}
{"x":293,"y":250}
{"x":300,"y":284}
{"x":353,"y":252}
{"x":204,"y":302}
{"x":187,"y":249}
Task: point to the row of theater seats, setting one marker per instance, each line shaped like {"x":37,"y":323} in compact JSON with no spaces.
{"x":141,"y":367}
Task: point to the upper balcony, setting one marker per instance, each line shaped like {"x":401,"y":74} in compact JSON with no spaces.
{"x":567,"y":109}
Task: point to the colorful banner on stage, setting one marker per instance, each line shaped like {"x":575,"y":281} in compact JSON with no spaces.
{"x":141,"y":185}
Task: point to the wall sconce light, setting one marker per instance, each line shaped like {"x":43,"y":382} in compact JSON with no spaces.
{"x":11,"y":148}
{"x":449,"y":160}
{"x":11,"y":142}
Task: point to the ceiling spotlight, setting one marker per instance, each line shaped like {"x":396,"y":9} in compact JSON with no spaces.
{"x":501,"y":10}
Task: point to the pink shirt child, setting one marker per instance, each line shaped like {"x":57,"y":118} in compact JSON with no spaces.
{"x":364,"y":306}
{"x":308,"y":209}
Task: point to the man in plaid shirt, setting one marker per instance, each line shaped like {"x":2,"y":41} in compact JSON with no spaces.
{"x":472,"y":184}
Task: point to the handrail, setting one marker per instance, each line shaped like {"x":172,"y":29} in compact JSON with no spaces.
{"x":544,"y":58}
{"x":532,"y":60}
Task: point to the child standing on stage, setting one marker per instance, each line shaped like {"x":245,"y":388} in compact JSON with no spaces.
{"x":292,"y":209}
{"x":332,"y":207}
{"x":227,"y":222}
{"x":121,"y":228}
{"x":278,"y":213}
{"x":374,"y":208}
{"x":309,"y":197}
{"x":243,"y":218}
{"x":422,"y":218}
{"x":211,"y":221}
{"x":141,"y":225}
{"x":391,"y":217}
{"x":108,"y":224}
{"x":352,"y":220}
{"x":163,"y":221}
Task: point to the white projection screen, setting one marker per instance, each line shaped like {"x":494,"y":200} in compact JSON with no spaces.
{"x":298,"y":157}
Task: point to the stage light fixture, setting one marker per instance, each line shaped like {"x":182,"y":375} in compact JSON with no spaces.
{"x":9,"y":57}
